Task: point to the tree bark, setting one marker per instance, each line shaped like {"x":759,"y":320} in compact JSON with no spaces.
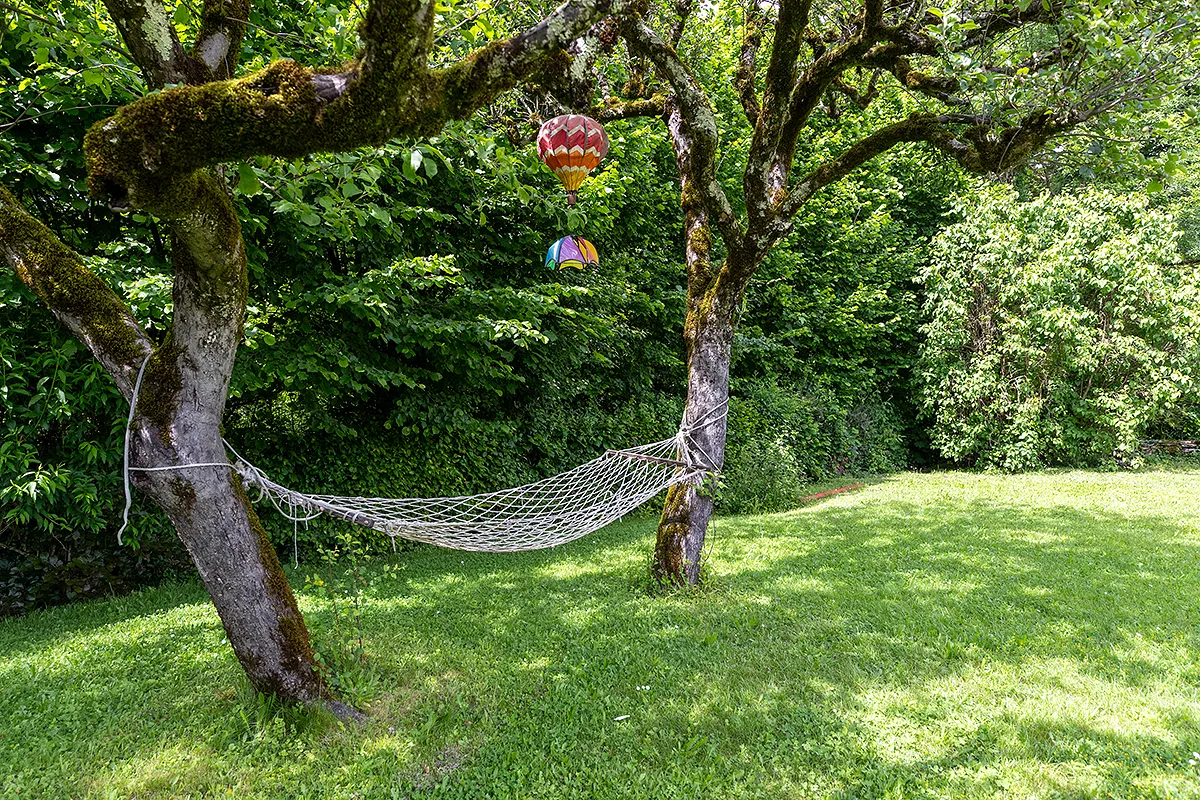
{"x":177,"y":421}
{"x":686,"y":513}
{"x":237,"y":563}
{"x":713,"y":297}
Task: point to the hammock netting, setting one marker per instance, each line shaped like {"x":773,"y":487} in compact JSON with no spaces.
{"x":542,"y":514}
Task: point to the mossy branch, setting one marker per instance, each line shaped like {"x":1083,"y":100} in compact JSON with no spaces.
{"x":74,"y":294}
{"x":142,"y":155}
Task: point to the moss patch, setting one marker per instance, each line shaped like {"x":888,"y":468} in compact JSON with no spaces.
{"x":162,"y":385}
{"x":298,"y":657}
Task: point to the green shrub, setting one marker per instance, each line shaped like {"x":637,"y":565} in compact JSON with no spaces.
{"x":783,"y":438}
{"x":1059,"y":329}
{"x":61,"y":436}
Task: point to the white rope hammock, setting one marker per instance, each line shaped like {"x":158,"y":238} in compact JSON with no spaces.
{"x":545,"y":513}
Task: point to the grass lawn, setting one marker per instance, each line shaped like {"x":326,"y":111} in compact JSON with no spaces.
{"x":930,"y":636}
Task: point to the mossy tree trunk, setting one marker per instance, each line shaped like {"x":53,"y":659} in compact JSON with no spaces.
{"x":714,"y":294}
{"x":688,"y":508}
{"x":178,"y":421}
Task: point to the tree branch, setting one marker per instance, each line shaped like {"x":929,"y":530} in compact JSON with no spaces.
{"x":817,"y":79}
{"x":980,"y":149}
{"x":939,"y":87}
{"x":683,"y":9}
{"x":1003,"y":19}
{"x":862,"y":99}
{"x":697,"y":117}
{"x":74,"y":294}
{"x":778,"y":85}
{"x":747,"y":68}
{"x":614,"y":108}
{"x":139,"y":156}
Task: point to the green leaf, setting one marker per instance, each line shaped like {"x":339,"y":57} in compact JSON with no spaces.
{"x":248,"y":183}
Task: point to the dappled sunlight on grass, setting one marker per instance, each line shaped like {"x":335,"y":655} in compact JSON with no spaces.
{"x":947,"y":635}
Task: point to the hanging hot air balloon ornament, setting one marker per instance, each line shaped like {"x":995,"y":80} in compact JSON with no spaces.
{"x":572,"y":146}
{"x":572,"y":251}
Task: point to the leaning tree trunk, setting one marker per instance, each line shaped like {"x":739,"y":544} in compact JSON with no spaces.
{"x":178,"y":422}
{"x":178,"y":415}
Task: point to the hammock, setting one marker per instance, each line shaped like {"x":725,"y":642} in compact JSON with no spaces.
{"x":541,"y":514}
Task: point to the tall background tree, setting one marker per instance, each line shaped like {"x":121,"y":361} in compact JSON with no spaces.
{"x":987,"y":86}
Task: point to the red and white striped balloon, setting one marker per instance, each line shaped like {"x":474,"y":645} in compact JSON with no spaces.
{"x":572,"y":145}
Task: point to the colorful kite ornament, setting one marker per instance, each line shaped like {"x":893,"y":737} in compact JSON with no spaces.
{"x":572,"y":251}
{"x":572,"y":146}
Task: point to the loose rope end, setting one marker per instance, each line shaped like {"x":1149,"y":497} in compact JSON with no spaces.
{"x":137,"y":386}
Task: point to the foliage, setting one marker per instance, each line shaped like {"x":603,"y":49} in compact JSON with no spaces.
{"x":348,"y":574}
{"x":783,"y":438}
{"x":932,"y":635}
{"x":1060,"y":329}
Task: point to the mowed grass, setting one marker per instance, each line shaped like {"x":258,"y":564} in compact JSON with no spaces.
{"x":930,"y":636}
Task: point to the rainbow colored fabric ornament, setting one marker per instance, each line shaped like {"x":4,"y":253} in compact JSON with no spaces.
{"x":572,"y":146}
{"x":572,"y":251}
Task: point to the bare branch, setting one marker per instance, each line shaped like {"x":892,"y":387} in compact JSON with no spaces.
{"x":814,"y":82}
{"x":779,"y":82}
{"x":980,"y":148}
{"x":862,"y":99}
{"x":913,"y":129}
{"x":939,"y":87}
{"x":683,"y":8}
{"x":486,"y":73}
